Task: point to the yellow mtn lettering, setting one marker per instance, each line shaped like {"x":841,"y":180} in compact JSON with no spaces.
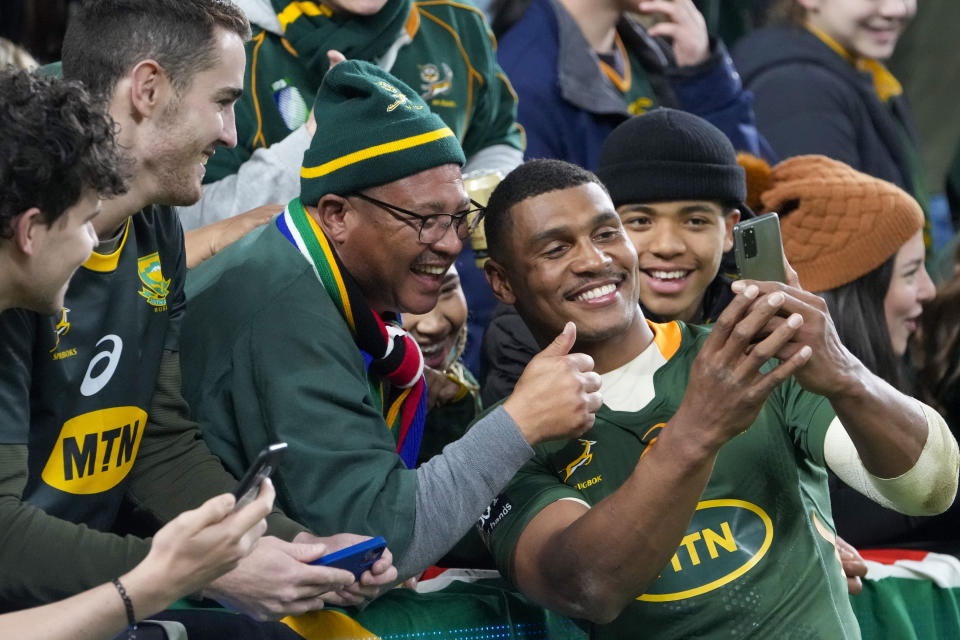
{"x":710,"y":540}
{"x":589,"y":483}
{"x":96,"y":450}
{"x":437,"y":102}
{"x":725,"y":540}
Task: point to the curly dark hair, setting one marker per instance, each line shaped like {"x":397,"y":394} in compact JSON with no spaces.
{"x":56,"y":145}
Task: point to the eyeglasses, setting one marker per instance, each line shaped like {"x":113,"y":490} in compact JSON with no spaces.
{"x":434,"y":227}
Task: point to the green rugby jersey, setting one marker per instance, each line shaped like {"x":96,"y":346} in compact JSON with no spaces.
{"x":449,"y":59}
{"x":76,"y":387}
{"x":757,"y":559}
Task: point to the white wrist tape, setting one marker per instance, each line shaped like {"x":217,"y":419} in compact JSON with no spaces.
{"x":928,"y":488}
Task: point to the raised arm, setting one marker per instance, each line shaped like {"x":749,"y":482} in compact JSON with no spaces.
{"x":591,"y":563}
{"x":905,"y":456}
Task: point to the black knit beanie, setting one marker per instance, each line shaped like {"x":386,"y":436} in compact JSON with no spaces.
{"x":667,"y":154}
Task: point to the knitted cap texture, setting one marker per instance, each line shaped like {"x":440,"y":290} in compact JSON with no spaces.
{"x":666,"y":155}
{"x":844,"y":224}
{"x":372,"y":129}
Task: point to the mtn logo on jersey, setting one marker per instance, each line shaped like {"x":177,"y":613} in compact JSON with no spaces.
{"x":725,"y":539}
{"x":155,"y":286}
{"x":96,"y":450}
{"x":433,"y":85}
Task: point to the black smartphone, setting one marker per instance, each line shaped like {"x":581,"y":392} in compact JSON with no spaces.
{"x":356,"y":558}
{"x":249,"y":486}
{"x":759,"y":249}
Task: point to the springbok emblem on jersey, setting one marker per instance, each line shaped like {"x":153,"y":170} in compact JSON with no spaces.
{"x":582,"y":460}
{"x":433,"y":85}
{"x":62,"y":328}
{"x":155,"y":286}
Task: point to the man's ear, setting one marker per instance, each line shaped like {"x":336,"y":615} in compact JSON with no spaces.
{"x":332,"y":213}
{"x":497,"y":277}
{"x":150,"y":88}
{"x":27,"y":229}
{"x":729,"y":220}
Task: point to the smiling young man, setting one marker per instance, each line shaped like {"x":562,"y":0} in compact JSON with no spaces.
{"x":98,"y":382}
{"x":702,"y":480}
{"x":678,"y":189}
{"x":292,"y":334}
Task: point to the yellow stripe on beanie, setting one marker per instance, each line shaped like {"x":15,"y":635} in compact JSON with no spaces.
{"x":374,"y":151}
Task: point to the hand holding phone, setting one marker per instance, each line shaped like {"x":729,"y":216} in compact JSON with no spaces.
{"x":267,"y":460}
{"x":356,"y":558}
{"x":758,"y":248}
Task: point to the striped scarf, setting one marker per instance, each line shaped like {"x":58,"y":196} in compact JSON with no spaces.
{"x":312,"y":29}
{"x":389,"y":352}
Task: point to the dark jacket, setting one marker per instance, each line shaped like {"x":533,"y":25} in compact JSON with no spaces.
{"x":808,"y":99}
{"x":568,"y":107}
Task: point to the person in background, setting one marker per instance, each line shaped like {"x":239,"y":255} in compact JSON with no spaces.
{"x":582,"y":67}
{"x":937,"y":348}
{"x":453,"y":395}
{"x":820,"y":87}
{"x":58,"y":159}
{"x":856,"y":241}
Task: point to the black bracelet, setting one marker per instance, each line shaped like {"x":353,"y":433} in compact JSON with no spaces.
{"x":128,"y":605}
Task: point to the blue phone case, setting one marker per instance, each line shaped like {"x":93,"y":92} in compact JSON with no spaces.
{"x":356,"y":558}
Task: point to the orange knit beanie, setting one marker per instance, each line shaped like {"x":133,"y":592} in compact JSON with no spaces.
{"x":837,"y":223}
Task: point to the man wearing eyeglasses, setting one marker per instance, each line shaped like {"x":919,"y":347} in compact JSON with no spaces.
{"x":293,"y":334}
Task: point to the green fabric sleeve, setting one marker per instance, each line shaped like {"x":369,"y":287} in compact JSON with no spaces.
{"x":533,"y":487}
{"x":43,"y":558}
{"x":297,"y":377}
{"x":494,"y":121}
{"x":807,"y":416}
{"x":175,"y":470}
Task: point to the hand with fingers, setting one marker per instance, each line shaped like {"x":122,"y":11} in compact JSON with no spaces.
{"x":727,"y":389}
{"x":196,"y":547}
{"x":854,"y":566}
{"x":374,"y":581}
{"x":441,"y":390}
{"x":831,"y":368}
{"x":558,"y":393}
{"x":684,"y":25}
{"x":276,"y":580}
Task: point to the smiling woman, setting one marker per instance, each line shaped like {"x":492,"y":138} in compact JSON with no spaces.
{"x":856,"y":241}
{"x":820,"y":86}
{"x":453,"y":399}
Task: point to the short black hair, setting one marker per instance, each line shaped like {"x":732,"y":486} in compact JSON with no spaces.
{"x":107,"y":38}
{"x":529,"y":180}
{"x":56,"y":144}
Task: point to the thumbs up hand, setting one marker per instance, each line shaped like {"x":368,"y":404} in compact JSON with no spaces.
{"x":558,"y":393}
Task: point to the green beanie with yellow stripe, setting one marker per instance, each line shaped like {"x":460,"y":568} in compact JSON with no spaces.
{"x":372,"y":129}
